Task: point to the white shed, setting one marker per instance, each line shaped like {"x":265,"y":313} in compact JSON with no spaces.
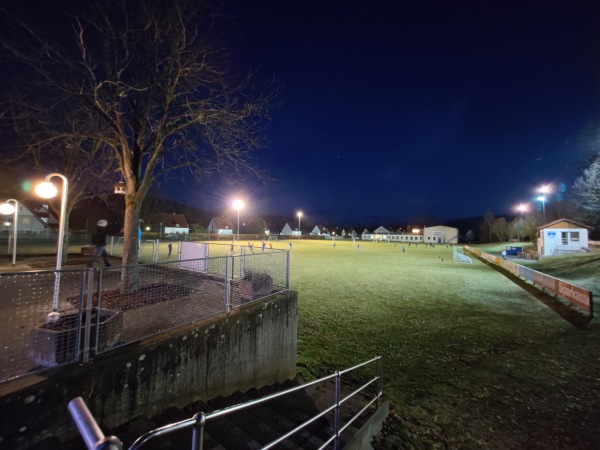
{"x":561,"y":237}
{"x":440,"y":234}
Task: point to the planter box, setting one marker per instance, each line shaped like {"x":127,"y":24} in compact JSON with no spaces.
{"x":56,"y":343}
{"x":88,"y":250}
{"x":256,"y":288}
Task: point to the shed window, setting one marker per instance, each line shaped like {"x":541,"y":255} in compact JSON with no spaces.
{"x":574,"y":236}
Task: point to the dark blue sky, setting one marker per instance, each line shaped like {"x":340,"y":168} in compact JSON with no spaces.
{"x":395,"y":109}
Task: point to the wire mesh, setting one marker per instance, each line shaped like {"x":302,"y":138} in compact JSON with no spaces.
{"x":29,"y":342}
{"x":101,"y":309}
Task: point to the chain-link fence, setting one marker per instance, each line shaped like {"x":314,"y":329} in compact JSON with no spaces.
{"x":89,"y":311}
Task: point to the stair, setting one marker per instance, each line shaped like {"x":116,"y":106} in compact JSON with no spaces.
{"x":256,"y":426}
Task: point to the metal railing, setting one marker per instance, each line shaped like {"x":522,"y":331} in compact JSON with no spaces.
{"x":96,"y":315}
{"x":93,"y":436}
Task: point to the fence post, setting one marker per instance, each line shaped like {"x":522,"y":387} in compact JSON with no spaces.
{"x":228,"y":281}
{"x":379,"y":381}
{"x":198,"y":431}
{"x":88,"y":275}
{"x":336,"y":420}
{"x":287,"y":270}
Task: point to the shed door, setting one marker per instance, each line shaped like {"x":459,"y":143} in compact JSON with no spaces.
{"x":564,"y":238}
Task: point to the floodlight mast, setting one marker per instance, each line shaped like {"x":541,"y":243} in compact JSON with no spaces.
{"x":238,"y":205}
{"x":299,"y":214}
{"x":543,"y":190}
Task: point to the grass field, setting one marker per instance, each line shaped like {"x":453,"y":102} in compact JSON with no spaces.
{"x":471,"y":359}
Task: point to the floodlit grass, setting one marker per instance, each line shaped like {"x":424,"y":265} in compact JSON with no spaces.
{"x":470,"y":358}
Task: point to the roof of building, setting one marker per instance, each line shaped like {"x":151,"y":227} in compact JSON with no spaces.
{"x":173,"y":220}
{"x":555,"y":222}
{"x":222,"y":223}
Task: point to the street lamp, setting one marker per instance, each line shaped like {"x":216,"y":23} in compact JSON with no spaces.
{"x":238,"y":205}
{"x":543,"y":190}
{"x":299,"y":214}
{"x":6,"y":208}
{"x":522,"y":208}
{"x":47,"y":190}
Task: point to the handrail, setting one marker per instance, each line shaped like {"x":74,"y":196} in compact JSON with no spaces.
{"x":88,"y":428}
{"x":94,"y":437}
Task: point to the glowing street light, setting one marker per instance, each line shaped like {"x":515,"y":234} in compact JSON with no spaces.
{"x":6,"y":208}
{"x":299,"y":214}
{"x":522,"y":208}
{"x":542,"y":198}
{"x":47,"y":190}
{"x":238,"y":205}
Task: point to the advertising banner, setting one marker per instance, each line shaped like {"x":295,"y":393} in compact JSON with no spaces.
{"x":575,"y":295}
{"x":546,"y":281}
{"x":526,"y":273}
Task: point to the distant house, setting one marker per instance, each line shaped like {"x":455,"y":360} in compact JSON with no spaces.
{"x":382,"y":230}
{"x":561,"y":237}
{"x":30,"y":223}
{"x":440,"y":234}
{"x":287,"y":230}
{"x":220,"y":225}
{"x":44,"y":214}
{"x":319,"y":230}
{"x":173,"y":224}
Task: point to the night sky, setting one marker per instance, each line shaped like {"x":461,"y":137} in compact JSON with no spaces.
{"x":394,"y":110}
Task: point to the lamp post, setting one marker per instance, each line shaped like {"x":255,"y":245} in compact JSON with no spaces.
{"x":47,"y":190}
{"x":299,"y":214}
{"x":6,"y":208}
{"x":543,"y":190}
{"x":522,"y":208}
{"x":238,"y":205}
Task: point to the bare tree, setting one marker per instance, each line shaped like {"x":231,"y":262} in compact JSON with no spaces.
{"x":159,"y":90}
{"x":37,"y":149}
{"x":500,"y":228}
{"x":488,"y":220}
{"x":586,"y":193}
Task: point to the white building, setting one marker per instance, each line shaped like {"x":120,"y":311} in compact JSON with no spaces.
{"x":173,"y":224}
{"x":440,"y":234}
{"x":382,"y":230}
{"x":29,"y":223}
{"x":430,"y":235}
{"x":287,"y":230}
{"x":561,"y":237}
{"x":220,"y":225}
{"x":319,"y":230}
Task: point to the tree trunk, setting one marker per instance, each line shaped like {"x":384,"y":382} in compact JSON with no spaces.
{"x":131,"y":246}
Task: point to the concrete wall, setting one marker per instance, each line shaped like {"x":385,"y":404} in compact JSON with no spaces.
{"x":249,"y":348}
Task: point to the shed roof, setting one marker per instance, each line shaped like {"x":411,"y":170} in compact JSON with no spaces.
{"x":558,"y":221}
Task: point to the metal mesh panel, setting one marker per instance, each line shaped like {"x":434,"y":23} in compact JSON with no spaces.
{"x":167,"y":296}
{"x":257,"y":275}
{"x":98,"y":314}
{"x":28,"y":342}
